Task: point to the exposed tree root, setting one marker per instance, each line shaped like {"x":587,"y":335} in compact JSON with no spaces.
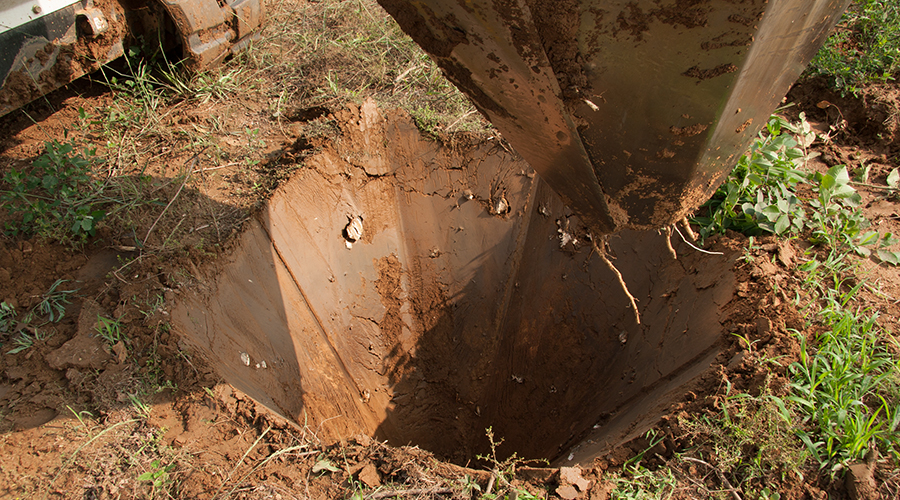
{"x":602,"y":253}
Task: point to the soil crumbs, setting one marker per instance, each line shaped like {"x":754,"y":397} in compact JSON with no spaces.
{"x":141,"y":417}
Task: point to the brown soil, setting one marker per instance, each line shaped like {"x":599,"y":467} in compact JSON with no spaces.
{"x":266,"y":354}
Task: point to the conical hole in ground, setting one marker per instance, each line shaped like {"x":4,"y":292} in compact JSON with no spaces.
{"x":451,"y":313}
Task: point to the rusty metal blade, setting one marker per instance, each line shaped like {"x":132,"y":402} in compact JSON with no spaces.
{"x":632,"y":110}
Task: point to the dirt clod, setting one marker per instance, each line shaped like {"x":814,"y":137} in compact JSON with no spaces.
{"x":860,"y":482}
{"x":83,"y":351}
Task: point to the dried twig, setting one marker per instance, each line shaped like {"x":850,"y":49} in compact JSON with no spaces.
{"x":186,"y":177}
{"x":232,"y":164}
{"x":490,"y":485}
{"x":874,"y":186}
{"x":719,"y":473}
{"x":450,"y":127}
{"x":605,"y":259}
{"x":413,"y":491}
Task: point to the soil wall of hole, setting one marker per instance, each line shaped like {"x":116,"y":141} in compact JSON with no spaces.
{"x":449,"y":316}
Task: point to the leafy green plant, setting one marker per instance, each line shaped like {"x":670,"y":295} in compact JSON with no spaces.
{"x":836,"y":221}
{"x":865,"y":47}
{"x":158,"y":476}
{"x":57,"y":198}
{"x":758,"y":197}
{"x":53,"y":303}
{"x":846,"y":387}
{"x":110,"y":330}
{"x":7,"y":317}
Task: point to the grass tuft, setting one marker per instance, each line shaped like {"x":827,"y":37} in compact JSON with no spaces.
{"x":864,"y":48}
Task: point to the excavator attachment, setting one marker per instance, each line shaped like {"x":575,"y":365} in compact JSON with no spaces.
{"x":633,"y":111}
{"x":45,"y":44}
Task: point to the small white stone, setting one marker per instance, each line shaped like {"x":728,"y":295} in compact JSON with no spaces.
{"x":354,"y":229}
{"x":500,"y":206}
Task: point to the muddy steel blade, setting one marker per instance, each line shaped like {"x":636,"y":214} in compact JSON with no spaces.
{"x":631,"y":110}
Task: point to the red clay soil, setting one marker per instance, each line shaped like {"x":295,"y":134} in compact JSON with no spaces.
{"x":439,"y":349}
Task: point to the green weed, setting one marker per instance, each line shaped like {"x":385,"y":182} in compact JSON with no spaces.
{"x":751,"y":436}
{"x":110,"y":330}
{"x":53,"y":303}
{"x":57,"y":198}
{"x":7,"y":317}
{"x":846,"y":386}
{"x":759,"y":196}
{"x":158,"y":475}
{"x":22,"y":341}
{"x":51,"y":307}
{"x":639,"y":482}
{"x":347,"y":50}
{"x":864,"y":48}
{"x":836,"y":221}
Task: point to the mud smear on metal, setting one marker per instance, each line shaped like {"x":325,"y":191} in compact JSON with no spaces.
{"x":588,"y":91}
{"x":447,"y":315}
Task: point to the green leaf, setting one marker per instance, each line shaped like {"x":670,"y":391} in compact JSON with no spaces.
{"x":782,"y":224}
{"x":887,"y":240}
{"x":147,"y":476}
{"x":893,"y":179}
{"x":869,"y":238}
{"x":326,"y":465}
{"x":892,"y":258}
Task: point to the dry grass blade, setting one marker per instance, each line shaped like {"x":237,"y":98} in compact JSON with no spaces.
{"x":241,"y":461}
{"x":193,"y":163}
{"x":719,"y":474}
{"x":262,"y":463}
{"x":78,"y":450}
{"x":413,"y":491}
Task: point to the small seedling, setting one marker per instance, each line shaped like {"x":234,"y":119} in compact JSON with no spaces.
{"x":22,"y":342}
{"x":140,"y":407}
{"x":158,"y":475}
{"x":110,"y":330}
{"x":7,"y":317}
{"x":53,"y":302}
